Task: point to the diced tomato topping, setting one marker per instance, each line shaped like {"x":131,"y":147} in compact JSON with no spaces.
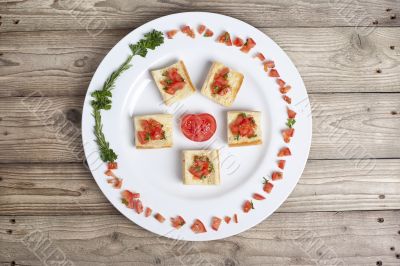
{"x":287,"y":134}
{"x":260,"y":56}
{"x":171,"y":33}
{"x":112,"y":165}
{"x":276,"y":176}
{"x":201,"y":167}
{"x":238,"y":42}
{"x":177,"y":222}
{"x":287,"y":99}
{"x":235,"y":218}
{"x":267,"y":186}
{"x":198,"y":227}
{"x":220,"y":84}
{"x":159,"y":217}
{"x":148,"y":212}
{"x":227,"y":219}
{"x":216,"y":222}
{"x":281,"y":164}
{"x":225,"y":38}
{"x":268,"y":64}
{"x":274,"y":73}
{"x":284,"y":152}
{"x":291,"y":113}
{"x":201,"y":29}
{"x":285,"y":89}
{"x":280,"y":82}
{"x":243,"y":126}
{"x":188,"y":31}
{"x":173,"y":81}
{"x":248,"y":45}
{"x":208,"y":33}
{"x":247,"y":206}
{"x":138,"y":206}
{"x":151,"y":130}
{"x":257,"y":196}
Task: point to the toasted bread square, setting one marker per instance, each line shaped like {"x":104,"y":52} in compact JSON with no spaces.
{"x":186,"y":91}
{"x":235,"y":80}
{"x":187,"y":161}
{"x":235,"y":141}
{"x":167,"y":124}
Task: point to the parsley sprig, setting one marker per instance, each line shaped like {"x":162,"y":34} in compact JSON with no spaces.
{"x":102,"y":98}
{"x":150,"y":41}
{"x":290,"y":122}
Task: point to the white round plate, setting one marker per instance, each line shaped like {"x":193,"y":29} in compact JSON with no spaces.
{"x":156,"y":173}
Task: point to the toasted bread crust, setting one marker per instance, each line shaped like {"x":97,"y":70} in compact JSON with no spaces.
{"x":256,"y":142}
{"x":187,"y":75}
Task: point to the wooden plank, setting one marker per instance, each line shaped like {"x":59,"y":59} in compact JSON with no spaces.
{"x":325,"y":238}
{"x":326,"y":185}
{"x":96,"y":15}
{"x":345,"y":126}
{"x":62,"y":63}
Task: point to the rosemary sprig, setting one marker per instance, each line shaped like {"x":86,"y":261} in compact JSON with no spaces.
{"x":102,"y":98}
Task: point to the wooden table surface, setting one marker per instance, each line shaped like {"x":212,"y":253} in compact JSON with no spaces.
{"x":345,"y":209}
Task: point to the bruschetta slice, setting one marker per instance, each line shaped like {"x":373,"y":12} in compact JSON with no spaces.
{"x":244,"y":128}
{"x":173,"y":82}
{"x":153,"y":131}
{"x":201,"y":167}
{"x":222,"y":84}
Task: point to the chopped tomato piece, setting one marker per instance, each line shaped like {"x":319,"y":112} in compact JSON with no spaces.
{"x":159,"y":217}
{"x":201,"y":29}
{"x":112,"y":165}
{"x":280,"y":82}
{"x":267,"y":186}
{"x":171,"y":33}
{"x":198,"y":227}
{"x":285,"y":89}
{"x":238,"y":42}
{"x":281,"y":164}
{"x":287,"y":99}
{"x":243,"y":126}
{"x":291,"y":113}
{"x":173,"y":81}
{"x":147,"y":212}
{"x":284,"y":152}
{"x":138,"y":206}
{"x":225,"y":38}
{"x":116,"y":182}
{"x":227,"y":219}
{"x":274,"y":73}
{"x":276,"y":176}
{"x":208,"y":33}
{"x":257,"y":196}
{"x":248,"y":45}
{"x":188,"y":31}
{"x":235,"y":218}
{"x":247,"y":206}
{"x":216,"y":222}
{"x":177,"y":222}
{"x":109,"y":173}
{"x":287,"y":134}
{"x":269,"y":64}
{"x":131,"y":204}
{"x":260,"y":56}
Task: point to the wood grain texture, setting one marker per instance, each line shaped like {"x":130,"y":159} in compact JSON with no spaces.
{"x":62,"y":63}
{"x":326,"y":238}
{"x":345,"y":126}
{"x":96,"y":15}
{"x":326,"y":185}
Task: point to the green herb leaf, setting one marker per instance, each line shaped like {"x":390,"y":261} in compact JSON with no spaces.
{"x":150,"y":41}
{"x":290,"y":122}
{"x":237,"y":137}
{"x":124,"y":201}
